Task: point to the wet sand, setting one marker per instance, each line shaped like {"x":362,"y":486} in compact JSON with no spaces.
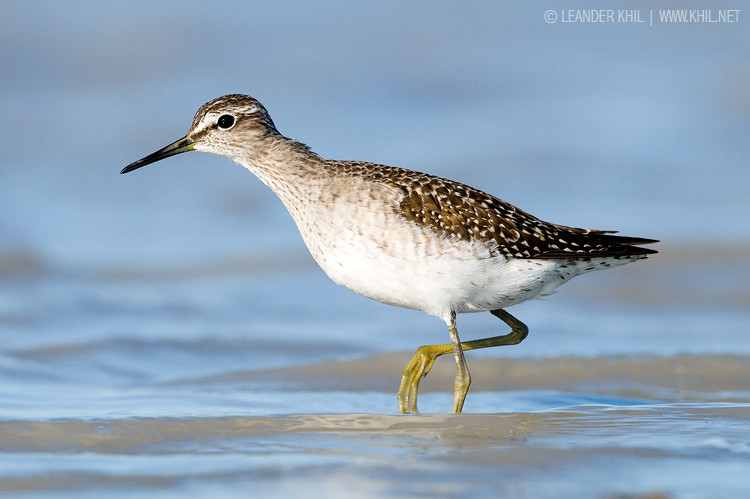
{"x":590,"y":428}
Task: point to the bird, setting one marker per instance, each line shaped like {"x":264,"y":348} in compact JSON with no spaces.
{"x":406,"y":238}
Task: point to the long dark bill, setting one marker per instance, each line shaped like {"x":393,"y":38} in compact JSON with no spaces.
{"x":183,"y":145}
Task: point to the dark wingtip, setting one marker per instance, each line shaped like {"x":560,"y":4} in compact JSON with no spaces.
{"x":630,"y":245}
{"x":645,"y":251}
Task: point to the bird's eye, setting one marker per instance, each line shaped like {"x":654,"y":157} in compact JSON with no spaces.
{"x":226,"y":121}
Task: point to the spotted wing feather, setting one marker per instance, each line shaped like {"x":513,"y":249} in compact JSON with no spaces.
{"x":460,"y":211}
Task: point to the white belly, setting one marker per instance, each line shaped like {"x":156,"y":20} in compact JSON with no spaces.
{"x":368,"y":247}
{"x":465,"y":280}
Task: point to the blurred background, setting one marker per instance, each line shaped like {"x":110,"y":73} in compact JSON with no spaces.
{"x":128,"y":296}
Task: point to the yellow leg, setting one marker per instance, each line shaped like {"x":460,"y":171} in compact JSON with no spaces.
{"x":425,"y":356}
{"x":463,"y":377}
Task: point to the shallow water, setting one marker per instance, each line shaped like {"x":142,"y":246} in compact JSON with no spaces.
{"x":166,"y":333}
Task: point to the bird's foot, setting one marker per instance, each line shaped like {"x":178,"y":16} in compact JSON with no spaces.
{"x":418,"y":367}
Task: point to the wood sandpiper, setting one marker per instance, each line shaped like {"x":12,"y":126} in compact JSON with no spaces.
{"x":407,"y":238}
